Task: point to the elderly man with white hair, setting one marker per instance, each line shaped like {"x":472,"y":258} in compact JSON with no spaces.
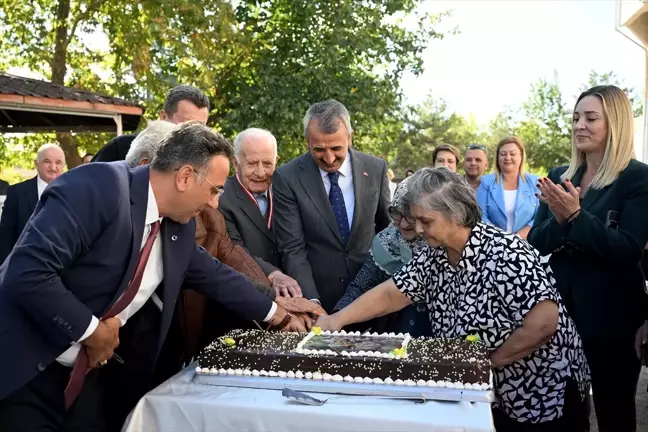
{"x":22,"y":197}
{"x":248,"y":206}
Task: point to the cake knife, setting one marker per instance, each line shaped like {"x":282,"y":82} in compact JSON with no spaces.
{"x":306,"y":399}
{"x":260,"y":328}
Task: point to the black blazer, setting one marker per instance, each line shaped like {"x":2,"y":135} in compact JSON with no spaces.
{"x":18,"y":207}
{"x":247,"y":227}
{"x":116,"y":149}
{"x":308,"y":236}
{"x":597,"y":265}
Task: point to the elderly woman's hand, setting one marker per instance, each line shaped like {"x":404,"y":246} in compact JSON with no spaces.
{"x":563,"y":204}
{"x":328,"y":322}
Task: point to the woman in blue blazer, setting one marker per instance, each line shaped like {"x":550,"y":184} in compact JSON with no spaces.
{"x":507,"y":198}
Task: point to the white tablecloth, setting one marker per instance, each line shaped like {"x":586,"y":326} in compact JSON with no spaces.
{"x":180,"y":405}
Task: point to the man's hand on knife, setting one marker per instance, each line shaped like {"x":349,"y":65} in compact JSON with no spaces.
{"x":300,"y":305}
{"x":101,"y":344}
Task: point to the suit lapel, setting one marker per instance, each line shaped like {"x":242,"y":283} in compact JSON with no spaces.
{"x":251,"y":209}
{"x":311,"y":181}
{"x":139,"y":187}
{"x":360,"y":179}
{"x":175,"y":237}
{"x":524,"y":190}
{"x":32,"y":196}
{"x":592,"y":195}
{"x":497,"y":192}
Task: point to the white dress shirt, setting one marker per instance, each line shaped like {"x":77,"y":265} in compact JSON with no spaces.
{"x":41,"y":185}
{"x":151,"y":279}
{"x":346,"y":184}
{"x":510,"y":199}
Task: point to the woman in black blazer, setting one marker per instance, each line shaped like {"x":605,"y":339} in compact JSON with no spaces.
{"x":593,"y":220}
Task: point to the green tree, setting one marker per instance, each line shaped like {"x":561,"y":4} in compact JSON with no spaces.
{"x":261,"y":62}
{"x":611,"y":78}
{"x":147,"y":39}
{"x":545,"y":128}
{"x":430,"y":125}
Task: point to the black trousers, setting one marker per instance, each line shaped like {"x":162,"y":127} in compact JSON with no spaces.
{"x":615,"y":371}
{"x":39,"y":406}
{"x":575,"y":416}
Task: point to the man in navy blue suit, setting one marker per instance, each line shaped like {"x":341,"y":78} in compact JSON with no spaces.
{"x":22,"y":197}
{"x":79,"y":257}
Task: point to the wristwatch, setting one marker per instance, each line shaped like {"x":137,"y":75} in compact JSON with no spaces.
{"x":284,"y":322}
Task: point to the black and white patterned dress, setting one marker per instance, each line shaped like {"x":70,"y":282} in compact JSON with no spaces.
{"x":498,"y":280}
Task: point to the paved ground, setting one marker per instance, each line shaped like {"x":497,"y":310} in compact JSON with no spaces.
{"x":642,"y":405}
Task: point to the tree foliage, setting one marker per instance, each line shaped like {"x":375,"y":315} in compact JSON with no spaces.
{"x":260,"y":62}
{"x":428,"y":126}
{"x":611,"y":78}
{"x":546,"y":127}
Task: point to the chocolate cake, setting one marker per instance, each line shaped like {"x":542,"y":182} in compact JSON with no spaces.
{"x":352,"y":357}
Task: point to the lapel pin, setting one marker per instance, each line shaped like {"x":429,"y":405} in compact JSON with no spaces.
{"x":364,"y":173}
{"x":174,"y":237}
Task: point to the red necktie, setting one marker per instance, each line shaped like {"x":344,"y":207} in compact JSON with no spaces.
{"x":81,"y":367}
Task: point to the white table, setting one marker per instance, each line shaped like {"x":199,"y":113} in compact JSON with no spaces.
{"x":180,"y":405}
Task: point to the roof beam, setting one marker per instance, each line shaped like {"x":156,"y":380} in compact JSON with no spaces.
{"x":62,"y":106}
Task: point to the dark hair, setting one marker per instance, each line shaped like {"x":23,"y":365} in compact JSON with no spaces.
{"x":186,"y":93}
{"x":409,"y":171}
{"x":481,"y":147}
{"x":447,"y":148}
{"x":191,"y":143}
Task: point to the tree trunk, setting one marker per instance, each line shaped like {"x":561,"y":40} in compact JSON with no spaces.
{"x":59,"y":69}
{"x":59,"y":62}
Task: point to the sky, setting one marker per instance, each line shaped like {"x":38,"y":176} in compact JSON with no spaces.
{"x":505,"y":46}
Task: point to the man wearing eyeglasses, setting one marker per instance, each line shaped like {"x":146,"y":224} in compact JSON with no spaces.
{"x":475,"y":164}
{"x":99,"y":268}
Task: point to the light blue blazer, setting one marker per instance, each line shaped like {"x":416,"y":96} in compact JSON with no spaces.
{"x":490,"y":197}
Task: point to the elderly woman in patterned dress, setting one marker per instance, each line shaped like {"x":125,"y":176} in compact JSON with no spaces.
{"x":476,"y":279}
{"x":391,"y":249}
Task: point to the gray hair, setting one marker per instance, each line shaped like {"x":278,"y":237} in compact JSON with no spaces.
{"x":42,"y":149}
{"x":187,"y":93}
{"x":249,"y":133}
{"x":441,"y":190}
{"x":191,"y":143}
{"x":146,"y":143}
{"x":327,"y":114}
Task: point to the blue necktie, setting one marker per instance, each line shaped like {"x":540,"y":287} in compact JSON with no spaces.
{"x":337,"y":202}
{"x":262,"y":201}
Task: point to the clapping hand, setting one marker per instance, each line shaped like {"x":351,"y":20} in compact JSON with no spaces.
{"x":563,"y":204}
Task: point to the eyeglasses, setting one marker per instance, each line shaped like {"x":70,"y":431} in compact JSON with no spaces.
{"x":216,"y":191}
{"x":398,"y":215}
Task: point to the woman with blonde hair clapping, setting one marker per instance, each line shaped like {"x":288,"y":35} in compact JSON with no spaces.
{"x":592,"y":220}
